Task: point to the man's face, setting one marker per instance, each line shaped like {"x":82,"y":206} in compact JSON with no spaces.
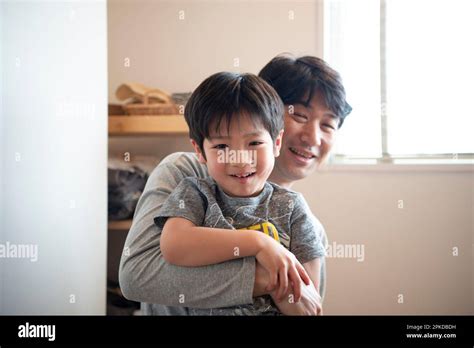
{"x":242,"y":160}
{"x":310,"y":133}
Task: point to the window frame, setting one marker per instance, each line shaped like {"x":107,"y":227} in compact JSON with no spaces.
{"x":457,"y":159}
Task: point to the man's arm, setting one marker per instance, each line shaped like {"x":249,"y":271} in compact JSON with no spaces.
{"x":311,"y":302}
{"x":313,"y":268}
{"x":308,"y":245}
{"x":146,"y":277}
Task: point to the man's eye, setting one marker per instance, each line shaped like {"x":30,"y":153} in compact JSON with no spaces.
{"x":300,"y":117}
{"x":330,"y":126}
{"x":220,"y":146}
{"x":255,"y":143}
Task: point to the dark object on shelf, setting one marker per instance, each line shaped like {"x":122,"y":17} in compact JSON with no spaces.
{"x":116,"y":303}
{"x":181,"y":98}
{"x":124,"y":189}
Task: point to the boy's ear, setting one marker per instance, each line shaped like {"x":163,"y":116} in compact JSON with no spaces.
{"x":278,"y":143}
{"x":198,"y":151}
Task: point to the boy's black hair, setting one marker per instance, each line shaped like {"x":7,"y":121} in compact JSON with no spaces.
{"x":225,"y":95}
{"x":297,"y":80}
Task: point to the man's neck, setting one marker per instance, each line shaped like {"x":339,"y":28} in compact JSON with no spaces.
{"x":279,"y":180}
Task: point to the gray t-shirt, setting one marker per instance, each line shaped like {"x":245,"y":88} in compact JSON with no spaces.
{"x":166,"y":289}
{"x":281,"y":213}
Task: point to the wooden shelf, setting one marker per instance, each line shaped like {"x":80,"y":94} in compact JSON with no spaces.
{"x":147,"y":125}
{"x":120,"y":225}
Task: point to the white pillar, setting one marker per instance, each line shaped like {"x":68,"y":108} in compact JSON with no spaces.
{"x":53,"y":155}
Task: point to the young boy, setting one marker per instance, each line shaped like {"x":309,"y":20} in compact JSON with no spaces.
{"x":236,"y":123}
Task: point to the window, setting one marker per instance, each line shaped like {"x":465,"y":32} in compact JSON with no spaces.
{"x":408,"y":69}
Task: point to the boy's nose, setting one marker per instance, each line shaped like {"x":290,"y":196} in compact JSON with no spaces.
{"x":240,"y":164}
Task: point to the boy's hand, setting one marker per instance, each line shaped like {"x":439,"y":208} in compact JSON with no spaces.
{"x":310,"y":303}
{"x":282,"y":266}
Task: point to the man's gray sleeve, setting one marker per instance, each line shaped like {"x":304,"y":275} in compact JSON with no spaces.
{"x":307,"y":233}
{"x":145,"y":276}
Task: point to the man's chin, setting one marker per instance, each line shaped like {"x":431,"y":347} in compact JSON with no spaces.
{"x":303,"y":172}
{"x":300,"y":174}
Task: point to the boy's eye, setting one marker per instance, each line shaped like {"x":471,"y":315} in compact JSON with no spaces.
{"x":254,"y":143}
{"x":220,"y":146}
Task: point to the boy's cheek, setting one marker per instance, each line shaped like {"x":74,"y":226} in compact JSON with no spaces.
{"x":265,"y":161}
{"x":215,"y":168}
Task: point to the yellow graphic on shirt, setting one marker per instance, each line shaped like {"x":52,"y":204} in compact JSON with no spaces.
{"x":266,"y":227}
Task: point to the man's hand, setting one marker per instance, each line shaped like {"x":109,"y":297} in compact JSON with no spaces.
{"x":262,"y":280}
{"x":309,"y":304}
{"x":283,"y":268}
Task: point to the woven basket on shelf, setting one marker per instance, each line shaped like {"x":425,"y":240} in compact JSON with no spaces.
{"x":168,"y":108}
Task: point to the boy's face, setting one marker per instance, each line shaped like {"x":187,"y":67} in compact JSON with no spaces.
{"x":310,"y":133}
{"x":242,"y":160}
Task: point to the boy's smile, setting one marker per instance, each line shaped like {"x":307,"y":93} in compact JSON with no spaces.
{"x":241,"y":160}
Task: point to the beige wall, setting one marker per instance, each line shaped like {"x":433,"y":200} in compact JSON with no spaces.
{"x":407,"y":251}
{"x":177,"y":55}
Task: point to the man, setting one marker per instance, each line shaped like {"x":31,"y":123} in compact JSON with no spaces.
{"x":315,"y":104}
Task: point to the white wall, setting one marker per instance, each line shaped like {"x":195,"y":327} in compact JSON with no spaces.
{"x":1,"y":148}
{"x":54,"y":153}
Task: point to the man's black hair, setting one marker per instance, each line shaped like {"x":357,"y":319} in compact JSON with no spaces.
{"x":297,"y":80}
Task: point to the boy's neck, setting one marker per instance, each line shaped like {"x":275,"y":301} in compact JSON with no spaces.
{"x":253,"y":195}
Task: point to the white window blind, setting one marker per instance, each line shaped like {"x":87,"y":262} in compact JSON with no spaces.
{"x":408,"y":69}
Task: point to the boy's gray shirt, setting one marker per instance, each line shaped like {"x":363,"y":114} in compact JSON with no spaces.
{"x":281,"y":213}
{"x":164,"y":288}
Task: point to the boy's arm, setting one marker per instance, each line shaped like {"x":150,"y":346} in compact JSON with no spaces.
{"x":185,"y":244}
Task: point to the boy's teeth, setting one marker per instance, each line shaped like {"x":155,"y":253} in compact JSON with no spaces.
{"x":243,"y":176}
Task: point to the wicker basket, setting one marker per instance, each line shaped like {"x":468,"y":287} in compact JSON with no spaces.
{"x":168,"y":108}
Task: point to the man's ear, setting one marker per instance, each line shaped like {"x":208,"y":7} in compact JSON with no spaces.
{"x":198,"y":151}
{"x":278,"y":143}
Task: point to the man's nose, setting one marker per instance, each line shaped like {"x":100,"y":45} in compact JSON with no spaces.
{"x":312,"y":134}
